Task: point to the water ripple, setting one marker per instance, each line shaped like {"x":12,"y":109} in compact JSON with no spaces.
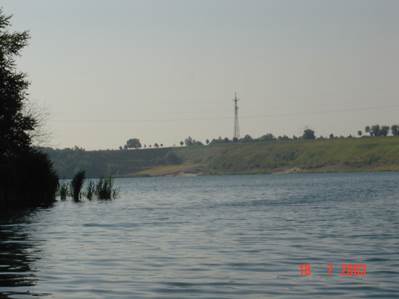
{"x":210,"y":237}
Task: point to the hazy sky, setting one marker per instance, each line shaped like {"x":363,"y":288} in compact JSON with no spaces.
{"x":163,"y":70}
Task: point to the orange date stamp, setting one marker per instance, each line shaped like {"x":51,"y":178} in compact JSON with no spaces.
{"x":345,"y":270}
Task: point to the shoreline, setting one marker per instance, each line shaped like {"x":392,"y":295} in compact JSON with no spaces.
{"x":273,"y":172}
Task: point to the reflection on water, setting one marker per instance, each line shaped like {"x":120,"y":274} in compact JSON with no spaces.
{"x":16,"y":259}
{"x":209,"y":237}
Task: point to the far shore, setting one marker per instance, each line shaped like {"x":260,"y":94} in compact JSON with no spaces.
{"x":338,"y":155}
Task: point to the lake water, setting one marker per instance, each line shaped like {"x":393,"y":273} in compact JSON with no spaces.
{"x":210,"y":237}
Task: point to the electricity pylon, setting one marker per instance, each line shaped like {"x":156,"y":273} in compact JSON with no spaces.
{"x":236,"y":122}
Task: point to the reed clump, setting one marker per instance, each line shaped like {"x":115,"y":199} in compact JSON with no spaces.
{"x":77,"y":184}
{"x":102,"y":189}
{"x":105,"y":189}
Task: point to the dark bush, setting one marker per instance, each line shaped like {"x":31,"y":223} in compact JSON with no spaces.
{"x":27,"y":180}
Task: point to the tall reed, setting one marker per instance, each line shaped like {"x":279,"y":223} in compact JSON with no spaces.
{"x":77,"y":184}
{"x":63,"y":191}
{"x":90,"y":190}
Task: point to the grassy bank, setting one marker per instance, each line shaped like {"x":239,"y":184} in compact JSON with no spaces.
{"x":326,"y":155}
{"x":349,"y":154}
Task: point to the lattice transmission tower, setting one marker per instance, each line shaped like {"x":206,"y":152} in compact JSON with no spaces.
{"x":236,"y":122}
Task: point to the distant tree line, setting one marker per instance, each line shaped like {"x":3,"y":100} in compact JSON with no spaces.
{"x":308,"y":134}
{"x":377,"y":130}
{"x":134,"y":143}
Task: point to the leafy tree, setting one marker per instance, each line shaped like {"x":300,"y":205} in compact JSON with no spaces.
{"x":181,"y":143}
{"x":395,"y":130}
{"x":284,"y":138}
{"x":188,"y":141}
{"x":218,"y":140}
{"x":308,"y":134}
{"x":359,"y":133}
{"x":133,"y":143}
{"x":27,"y":177}
{"x":367,"y":129}
{"x":207,"y":141}
{"x":267,"y":137}
{"x":156,"y":145}
{"x":331,"y":136}
{"x":375,"y":130}
{"x":247,"y":138}
{"x":384,"y":131}
{"x":15,"y":126}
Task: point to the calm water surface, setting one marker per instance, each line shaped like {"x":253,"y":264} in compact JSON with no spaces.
{"x":210,"y":237}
